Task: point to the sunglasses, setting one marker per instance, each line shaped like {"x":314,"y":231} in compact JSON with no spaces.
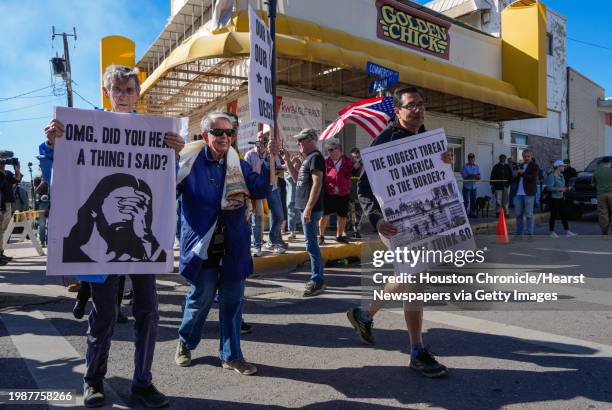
{"x":217,"y":132}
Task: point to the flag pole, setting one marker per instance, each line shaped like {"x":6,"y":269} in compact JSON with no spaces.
{"x":274,"y":133}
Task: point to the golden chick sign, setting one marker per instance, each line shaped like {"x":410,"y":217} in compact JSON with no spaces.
{"x":412,"y":28}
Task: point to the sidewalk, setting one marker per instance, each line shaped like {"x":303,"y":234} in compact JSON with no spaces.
{"x":297,"y":255}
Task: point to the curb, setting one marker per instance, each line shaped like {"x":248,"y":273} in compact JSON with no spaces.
{"x":289,"y":261}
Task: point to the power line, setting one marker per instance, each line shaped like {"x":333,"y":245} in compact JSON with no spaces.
{"x":84,"y":99}
{"x":22,"y":94}
{"x":28,"y":106}
{"x":26,"y":119}
{"x":590,"y":44}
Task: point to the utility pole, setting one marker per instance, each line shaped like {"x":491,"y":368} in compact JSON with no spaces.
{"x":68,"y":74}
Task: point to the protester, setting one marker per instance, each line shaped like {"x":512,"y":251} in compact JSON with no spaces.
{"x":292,"y":216}
{"x":121,"y":86}
{"x":555,"y":184}
{"x":501,"y":174}
{"x":410,"y":116}
{"x":355,"y":208}
{"x":256,"y":157}
{"x":526,"y":177}
{"x":470,"y":171}
{"x":215,"y":185}
{"x":602,"y":178}
{"x":338,"y":171}
{"x":569,"y":173}
{"x":42,"y":204}
{"x":8,"y":180}
{"x":309,"y":200}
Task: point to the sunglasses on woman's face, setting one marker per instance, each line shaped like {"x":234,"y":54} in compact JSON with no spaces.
{"x":217,"y":132}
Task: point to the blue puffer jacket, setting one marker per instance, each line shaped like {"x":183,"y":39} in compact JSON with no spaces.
{"x":201,"y":194}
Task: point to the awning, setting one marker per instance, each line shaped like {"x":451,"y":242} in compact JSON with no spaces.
{"x":305,"y":41}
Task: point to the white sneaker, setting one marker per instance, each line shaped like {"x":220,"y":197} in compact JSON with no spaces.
{"x":291,"y":236}
{"x":554,"y":235}
{"x":257,"y":251}
{"x":269,"y":246}
{"x":569,"y":234}
{"x":278,"y":249}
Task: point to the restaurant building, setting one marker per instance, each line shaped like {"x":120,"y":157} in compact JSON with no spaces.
{"x":473,"y":81}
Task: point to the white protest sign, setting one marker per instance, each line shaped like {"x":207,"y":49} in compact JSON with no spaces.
{"x":247,"y":128}
{"x":417,"y":192}
{"x":113,"y":208}
{"x":260,"y":70}
{"x":295,"y":115}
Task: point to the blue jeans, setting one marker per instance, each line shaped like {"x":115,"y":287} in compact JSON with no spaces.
{"x":523,"y":205}
{"x":311,"y":235}
{"x":291,"y":212}
{"x":197,"y":305}
{"x":469,"y":200}
{"x":179,"y":211}
{"x":257,"y":232}
{"x":277,"y":216}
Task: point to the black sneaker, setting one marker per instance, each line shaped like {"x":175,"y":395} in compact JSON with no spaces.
{"x":426,"y":364}
{"x":245,"y":328}
{"x":341,"y":239}
{"x":93,"y":396}
{"x":7,"y":258}
{"x":321,"y":240}
{"x":314,"y":290}
{"x":150,"y":396}
{"x":79,"y":309}
{"x":363,"y":329}
{"x":356,"y":235}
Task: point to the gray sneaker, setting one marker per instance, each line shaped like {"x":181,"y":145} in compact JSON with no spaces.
{"x":183,"y":355}
{"x":241,"y":366}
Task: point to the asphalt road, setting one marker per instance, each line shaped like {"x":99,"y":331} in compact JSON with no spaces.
{"x":309,"y":357}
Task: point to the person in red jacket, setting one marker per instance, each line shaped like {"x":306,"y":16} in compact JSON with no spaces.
{"x":339,"y":169}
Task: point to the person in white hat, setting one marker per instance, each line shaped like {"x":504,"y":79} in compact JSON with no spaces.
{"x":555,"y":184}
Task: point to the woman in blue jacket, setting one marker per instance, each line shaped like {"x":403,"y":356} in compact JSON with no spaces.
{"x":215,"y":238}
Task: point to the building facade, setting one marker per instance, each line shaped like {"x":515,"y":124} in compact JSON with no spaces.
{"x":475,"y":83}
{"x":547,"y":137}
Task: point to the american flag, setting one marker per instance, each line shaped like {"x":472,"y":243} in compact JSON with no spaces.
{"x":372,"y":115}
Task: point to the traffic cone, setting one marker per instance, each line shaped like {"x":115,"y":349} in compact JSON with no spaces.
{"x":502,"y":230}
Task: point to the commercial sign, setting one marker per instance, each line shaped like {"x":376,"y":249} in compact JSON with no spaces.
{"x":412,"y":28}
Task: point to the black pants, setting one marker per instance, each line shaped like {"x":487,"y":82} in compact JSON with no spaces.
{"x":85,"y":291}
{"x":557,"y":210}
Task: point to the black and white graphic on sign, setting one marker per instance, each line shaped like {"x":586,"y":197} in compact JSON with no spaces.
{"x":116,"y":218}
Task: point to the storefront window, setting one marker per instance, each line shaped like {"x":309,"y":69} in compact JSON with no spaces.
{"x":456,"y":146}
{"x":518,"y":145}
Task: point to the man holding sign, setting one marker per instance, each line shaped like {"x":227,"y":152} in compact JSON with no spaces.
{"x":409,"y":108}
{"x":123,"y":206}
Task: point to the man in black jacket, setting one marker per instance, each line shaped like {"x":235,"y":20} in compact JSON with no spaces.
{"x":410,"y":115}
{"x":501,"y":174}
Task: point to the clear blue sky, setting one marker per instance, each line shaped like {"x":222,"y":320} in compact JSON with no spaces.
{"x":26,"y":45}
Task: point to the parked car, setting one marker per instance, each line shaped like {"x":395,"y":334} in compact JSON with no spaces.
{"x":582,"y":195}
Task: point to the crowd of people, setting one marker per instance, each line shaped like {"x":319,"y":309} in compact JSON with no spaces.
{"x":222,"y":202}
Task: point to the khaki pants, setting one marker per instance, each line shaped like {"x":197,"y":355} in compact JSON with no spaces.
{"x":604,"y":206}
{"x":6,"y":218}
{"x":501,"y":199}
